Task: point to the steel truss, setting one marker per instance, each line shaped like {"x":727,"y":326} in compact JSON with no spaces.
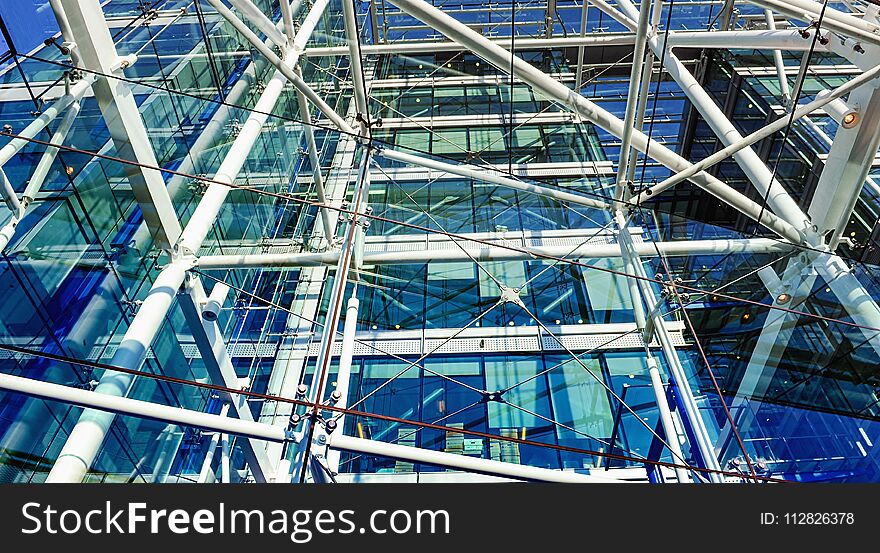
{"x":814,"y":232}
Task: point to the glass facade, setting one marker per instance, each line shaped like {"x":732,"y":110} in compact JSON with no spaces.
{"x":499,"y":309}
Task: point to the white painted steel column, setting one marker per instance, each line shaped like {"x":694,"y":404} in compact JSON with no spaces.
{"x":691,"y":409}
{"x":356,"y":65}
{"x":212,"y":348}
{"x":343,"y":375}
{"x":849,"y":161}
{"x":669,"y":429}
{"x":624,"y":240}
{"x":287,"y":19}
{"x":778,"y":61}
{"x":633,"y":98}
{"x":644,"y":89}
{"x":206,"y":471}
{"x":334,"y":308}
{"x":88,"y":434}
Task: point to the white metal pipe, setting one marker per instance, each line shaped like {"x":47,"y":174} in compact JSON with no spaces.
{"x":287,"y":19}
{"x":7,"y":232}
{"x":260,"y":20}
{"x":633,"y":98}
{"x":778,"y":61}
{"x":268,"y":432}
{"x":646,"y":77}
{"x":832,"y":14}
{"x":356,"y":66}
{"x":463,"y":462}
{"x":225,"y":472}
{"x":627,"y":252}
{"x":759,"y":40}
{"x":114,"y":405}
{"x":551,"y":88}
{"x":7,"y":193}
{"x":88,"y":434}
{"x":422,"y":47}
{"x":764,"y":132}
{"x":206,"y":471}
{"x":485,"y":175}
{"x":849,"y":26}
{"x":343,"y":374}
{"x":762,"y":40}
{"x":613,"y":13}
{"x":315,"y":161}
{"x":48,"y":158}
{"x":691,"y":410}
{"x":482,"y":252}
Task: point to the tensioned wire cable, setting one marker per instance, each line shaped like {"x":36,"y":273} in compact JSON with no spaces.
{"x":522,"y":250}
{"x":573,"y":357}
{"x":313,"y":124}
{"x":497,"y":169}
{"x":352,"y":412}
{"x":655,"y":99}
{"x":794,"y":102}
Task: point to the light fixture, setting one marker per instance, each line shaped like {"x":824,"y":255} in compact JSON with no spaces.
{"x":746,"y":317}
{"x":840,"y":111}
{"x":783,"y":298}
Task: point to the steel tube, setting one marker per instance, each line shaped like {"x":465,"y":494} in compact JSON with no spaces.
{"x":482,"y":252}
